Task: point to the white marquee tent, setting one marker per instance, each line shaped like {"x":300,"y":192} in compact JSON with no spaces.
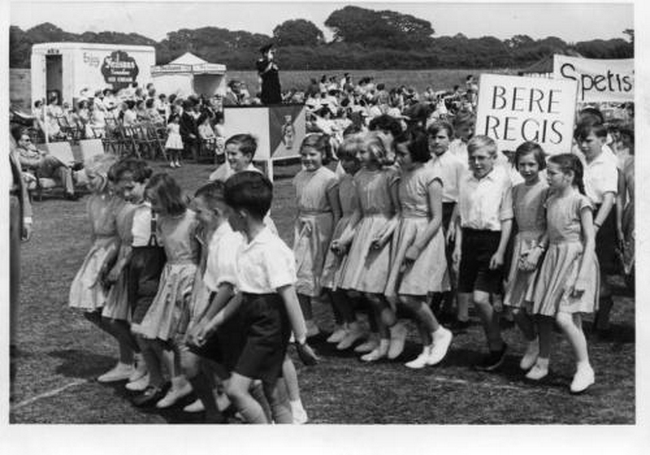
{"x":188,"y":75}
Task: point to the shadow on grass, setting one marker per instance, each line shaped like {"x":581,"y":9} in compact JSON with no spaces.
{"x":81,"y":364}
{"x":173,"y":414}
{"x":617,"y":334}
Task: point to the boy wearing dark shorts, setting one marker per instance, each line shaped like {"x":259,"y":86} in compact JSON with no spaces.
{"x":485,"y":210}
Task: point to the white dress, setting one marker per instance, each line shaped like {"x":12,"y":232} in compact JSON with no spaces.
{"x":174,"y":140}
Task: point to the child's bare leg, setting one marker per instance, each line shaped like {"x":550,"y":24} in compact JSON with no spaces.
{"x":571,"y":325}
{"x":490,"y":320}
{"x":238,"y":391}
{"x":202,"y":384}
{"x":463,"y":301}
{"x":525,"y":323}
{"x":293,"y":390}
{"x":122,"y":331}
{"x":152,"y":358}
{"x":276,"y":394}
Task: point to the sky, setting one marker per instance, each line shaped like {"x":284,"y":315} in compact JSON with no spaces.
{"x":571,"y":22}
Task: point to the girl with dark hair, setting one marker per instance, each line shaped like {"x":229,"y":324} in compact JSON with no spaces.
{"x":529,"y":243}
{"x":568,"y":280}
{"x":418,"y":266}
{"x":164,"y":324}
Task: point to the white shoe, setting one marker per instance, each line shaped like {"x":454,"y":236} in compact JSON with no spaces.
{"x":421,"y":361}
{"x":530,"y":356}
{"x":196,"y":406}
{"x":172,"y":165}
{"x":121,"y":372}
{"x":583,"y":378}
{"x":176,"y":392}
{"x":378,"y":353}
{"x":140,"y":369}
{"x":338,"y":335}
{"x":397,"y":339}
{"x":539,"y":371}
{"x":441,"y":343}
{"x":299,"y":415}
{"x":312,"y":329}
{"x":138,"y":386}
{"x":370,"y":345}
{"x":353,"y":334}
{"x":178,"y":164}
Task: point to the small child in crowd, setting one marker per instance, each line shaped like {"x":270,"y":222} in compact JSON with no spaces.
{"x":174,"y":144}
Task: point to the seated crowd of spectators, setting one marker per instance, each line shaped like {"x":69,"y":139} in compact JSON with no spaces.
{"x":335,"y":105}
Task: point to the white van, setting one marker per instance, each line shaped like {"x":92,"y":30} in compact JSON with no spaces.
{"x":69,"y":68}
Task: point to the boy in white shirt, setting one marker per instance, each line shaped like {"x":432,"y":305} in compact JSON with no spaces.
{"x":482,"y":233}
{"x":269,"y":308}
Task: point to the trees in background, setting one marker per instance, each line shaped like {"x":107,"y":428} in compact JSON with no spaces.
{"x":298,"y":32}
{"x":363,"y":39}
{"x":387,"y":29}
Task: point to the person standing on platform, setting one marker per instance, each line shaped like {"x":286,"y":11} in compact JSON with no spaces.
{"x":267,"y":69}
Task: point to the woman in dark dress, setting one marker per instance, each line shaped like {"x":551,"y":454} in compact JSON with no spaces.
{"x":269,"y":75}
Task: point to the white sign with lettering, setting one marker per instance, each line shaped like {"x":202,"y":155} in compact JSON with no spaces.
{"x":513,"y":109}
{"x":598,"y":80}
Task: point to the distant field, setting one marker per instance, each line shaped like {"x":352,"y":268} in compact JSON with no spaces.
{"x":439,"y":79}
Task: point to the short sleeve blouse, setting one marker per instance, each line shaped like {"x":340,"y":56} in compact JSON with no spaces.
{"x":414,"y":191}
{"x":563,"y":216}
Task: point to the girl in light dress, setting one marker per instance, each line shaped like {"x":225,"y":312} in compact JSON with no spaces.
{"x":88,"y":290}
{"x":347,"y":330}
{"x":174,"y":144}
{"x":418,"y":263}
{"x":528,"y":200}
{"x":165,"y":322}
{"x":569,"y":279}
{"x":368,"y":237}
{"x":318,"y":212}
{"x":124,"y":175}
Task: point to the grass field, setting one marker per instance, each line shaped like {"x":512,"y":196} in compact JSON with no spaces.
{"x":61,"y":354}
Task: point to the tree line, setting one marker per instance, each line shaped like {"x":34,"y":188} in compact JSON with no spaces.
{"x":362,"y":39}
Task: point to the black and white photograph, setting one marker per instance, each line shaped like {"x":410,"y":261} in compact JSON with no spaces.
{"x":333,"y":215}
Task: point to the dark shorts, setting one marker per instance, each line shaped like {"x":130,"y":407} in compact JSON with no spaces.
{"x":224,"y":346}
{"x":606,"y":243}
{"x":474,"y":272}
{"x":265,"y":337}
{"x":144,"y":272}
{"x":211,"y":350}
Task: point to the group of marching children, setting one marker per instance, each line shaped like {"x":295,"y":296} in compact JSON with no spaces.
{"x":200,"y":296}
{"x":205,"y":297}
{"x":411,"y":218}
